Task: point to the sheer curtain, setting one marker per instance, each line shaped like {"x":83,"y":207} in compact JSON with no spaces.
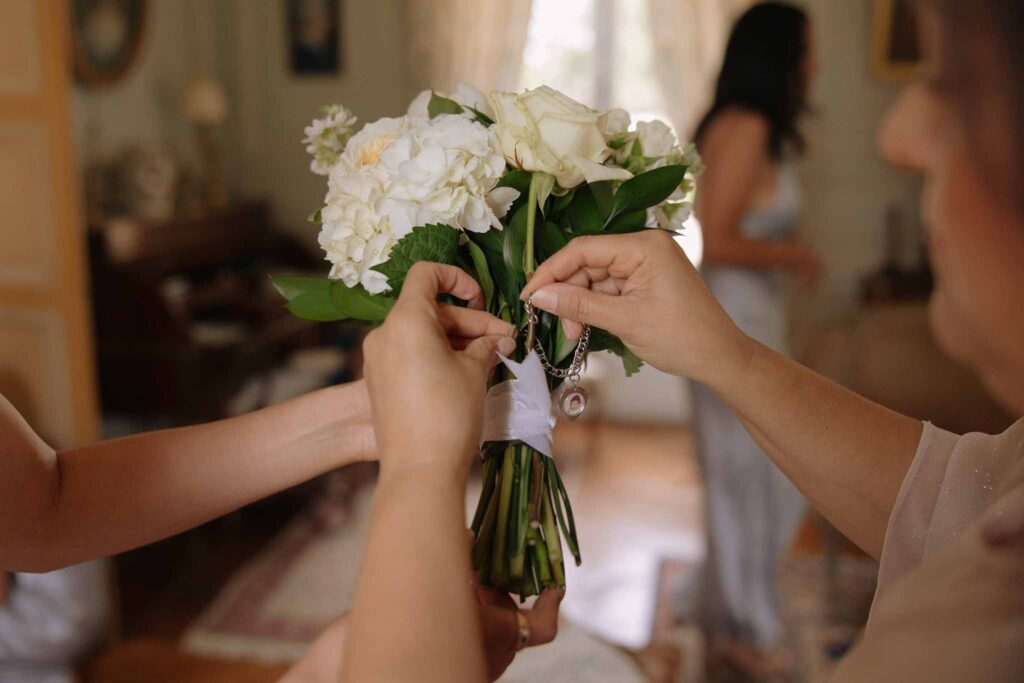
{"x":479,"y":42}
{"x":689,"y":39}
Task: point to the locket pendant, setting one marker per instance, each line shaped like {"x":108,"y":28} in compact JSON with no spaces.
{"x":573,"y":401}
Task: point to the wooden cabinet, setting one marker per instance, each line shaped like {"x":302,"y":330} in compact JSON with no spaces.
{"x":185,"y":313}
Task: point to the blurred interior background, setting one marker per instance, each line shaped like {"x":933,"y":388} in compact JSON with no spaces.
{"x":152,"y":178}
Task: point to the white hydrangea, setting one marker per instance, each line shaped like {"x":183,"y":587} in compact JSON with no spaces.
{"x":326,"y":137}
{"x":397,"y":174}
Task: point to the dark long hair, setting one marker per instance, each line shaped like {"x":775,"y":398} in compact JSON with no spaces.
{"x":763,"y":72}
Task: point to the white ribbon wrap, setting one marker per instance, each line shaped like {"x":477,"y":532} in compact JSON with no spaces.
{"x":521,"y":409}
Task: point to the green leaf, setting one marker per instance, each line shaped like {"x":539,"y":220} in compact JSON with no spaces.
{"x":291,"y":287}
{"x":437,"y":243}
{"x":442,"y":105}
{"x":550,"y":238}
{"x":542,"y":184}
{"x":315,"y":216}
{"x":514,"y":245}
{"x":492,"y":243}
{"x":483,"y":273}
{"x":314,"y":306}
{"x":584,"y":216}
{"x":480,"y":117}
{"x":600,"y":340}
{"x":356,"y":302}
{"x":563,"y":345}
{"x":563,"y":201}
{"x":646,"y":190}
{"x":602,"y":196}
{"x":634,"y":221}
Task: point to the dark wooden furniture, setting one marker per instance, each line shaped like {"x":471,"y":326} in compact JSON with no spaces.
{"x":185,"y":313}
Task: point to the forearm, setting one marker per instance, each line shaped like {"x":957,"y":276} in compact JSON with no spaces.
{"x":414,"y":617}
{"x":848,"y":455}
{"x":116,"y":495}
{"x":745,"y":252}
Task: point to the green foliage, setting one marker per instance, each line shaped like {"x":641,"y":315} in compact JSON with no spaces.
{"x":442,"y":105}
{"x":646,"y":190}
{"x":550,"y":238}
{"x":584,"y":216}
{"x":356,"y":302}
{"x":437,"y":243}
{"x":315,"y":216}
{"x":601,"y":340}
{"x":634,"y":221}
{"x":483,"y":273}
{"x":324,"y":300}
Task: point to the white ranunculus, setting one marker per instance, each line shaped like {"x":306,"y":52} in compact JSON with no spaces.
{"x":547,"y":131}
{"x":353,"y":235}
{"x":326,"y":137}
{"x":442,"y":171}
{"x":466,"y":95}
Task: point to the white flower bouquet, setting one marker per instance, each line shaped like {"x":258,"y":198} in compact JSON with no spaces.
{"x":494,"y":185}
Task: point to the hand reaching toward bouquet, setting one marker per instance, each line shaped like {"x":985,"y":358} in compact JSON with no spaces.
{"x":427,"y":368}
{"x":643,"y":289}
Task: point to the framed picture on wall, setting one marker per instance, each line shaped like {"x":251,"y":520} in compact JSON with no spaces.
{"x":895,"y":50}
{"x":314,"y":37}
{"x":106,"y":37}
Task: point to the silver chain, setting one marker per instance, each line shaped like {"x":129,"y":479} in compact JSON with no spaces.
{"x":572,"y":373}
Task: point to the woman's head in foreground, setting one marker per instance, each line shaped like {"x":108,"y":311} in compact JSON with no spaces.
{"x":962,"y":126}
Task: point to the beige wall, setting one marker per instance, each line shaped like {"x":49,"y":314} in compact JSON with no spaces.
{"x":143,"y":107}
{"x":274,"y":106}
{"x":242,"y":43}
{"x":847,"y":186}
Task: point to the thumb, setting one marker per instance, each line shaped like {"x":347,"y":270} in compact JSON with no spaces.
{"x":582,"y":305}
{"x":484,"y":350}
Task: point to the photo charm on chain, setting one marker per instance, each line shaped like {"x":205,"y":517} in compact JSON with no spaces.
{"x":573,"y":399}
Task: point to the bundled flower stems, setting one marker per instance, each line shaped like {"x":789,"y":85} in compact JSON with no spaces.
{"x":494,"y":185}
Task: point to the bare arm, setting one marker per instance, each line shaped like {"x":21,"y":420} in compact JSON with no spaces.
{"x":736,"y":158}
{"x":60,"y":508}
{"x":847,"y":454}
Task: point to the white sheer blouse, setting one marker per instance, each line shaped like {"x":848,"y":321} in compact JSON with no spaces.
{"x":949,"y":606}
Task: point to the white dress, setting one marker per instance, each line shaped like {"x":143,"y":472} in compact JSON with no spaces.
{"x":752,"y":509}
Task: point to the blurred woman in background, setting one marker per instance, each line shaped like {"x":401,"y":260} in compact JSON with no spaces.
{"x":748,"y":205}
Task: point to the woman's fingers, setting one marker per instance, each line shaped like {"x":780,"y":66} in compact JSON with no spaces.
{"x":470,"y":323}
{"x":484,"y":350}
{"x":580,"y":305}
{"x":425,"y":281}
{"x":543,"y":616}
{"x":615,"y":255}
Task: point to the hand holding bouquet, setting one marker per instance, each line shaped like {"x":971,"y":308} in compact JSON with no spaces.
{"x":493,"y":185}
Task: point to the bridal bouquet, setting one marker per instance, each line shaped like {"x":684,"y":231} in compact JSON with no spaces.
{"x":495,"y":185}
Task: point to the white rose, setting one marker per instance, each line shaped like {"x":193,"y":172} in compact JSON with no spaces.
{"x":466,"y":95}
{"x":547,"y":131}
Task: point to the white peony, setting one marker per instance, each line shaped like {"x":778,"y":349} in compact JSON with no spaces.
{"x":547,"y":131}
{"x":365,"y":147}
{"x":326,"y":137}
{"x":466,"y":95}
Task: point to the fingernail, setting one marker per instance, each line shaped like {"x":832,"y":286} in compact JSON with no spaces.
{"x":545,"y":298}
{"x":506,"y":345}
